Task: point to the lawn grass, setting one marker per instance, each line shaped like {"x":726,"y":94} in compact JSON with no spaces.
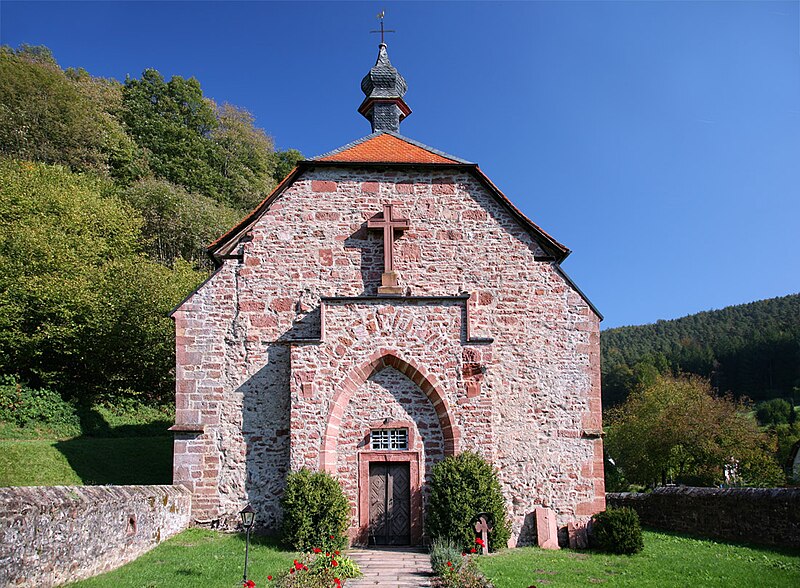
{"x":667,"y":560}
{"x":86,"y":460}
{"x":111,"y":445}
{"x":198,"y":558}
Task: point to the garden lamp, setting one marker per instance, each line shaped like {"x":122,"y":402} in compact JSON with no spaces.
{"x":248,"y":515}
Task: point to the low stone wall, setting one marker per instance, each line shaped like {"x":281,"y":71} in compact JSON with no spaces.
{"x":768,"y":516}
{"x":51,"y":535}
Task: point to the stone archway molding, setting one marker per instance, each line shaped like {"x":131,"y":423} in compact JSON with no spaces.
{"x":379,"y":360}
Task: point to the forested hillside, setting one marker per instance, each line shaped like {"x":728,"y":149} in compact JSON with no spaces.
{"x":748,"y":350}
{"x":109,"y":192}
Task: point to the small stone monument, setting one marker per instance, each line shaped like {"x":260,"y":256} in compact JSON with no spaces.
{"x":483,"y":524}
{"x":546,"y":530}
{"x":578,"y":536}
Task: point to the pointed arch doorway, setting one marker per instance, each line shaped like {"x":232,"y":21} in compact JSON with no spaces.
{"x":387,"y":425}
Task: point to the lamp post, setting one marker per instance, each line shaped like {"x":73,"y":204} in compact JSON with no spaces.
{"x":248,"y":518}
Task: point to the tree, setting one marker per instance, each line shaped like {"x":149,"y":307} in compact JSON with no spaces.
{"x":285,"y":162}
{"x":774,"y":412}
{"x":177,"y":224}
{"x":677,"y":429}
{"x":173,"y":122}
{"x":44,"y":116}
{"x":245,"y":156}
{"x":82,"y":310}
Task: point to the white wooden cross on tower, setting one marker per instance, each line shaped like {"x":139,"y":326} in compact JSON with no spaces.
{"x":388,"y":223}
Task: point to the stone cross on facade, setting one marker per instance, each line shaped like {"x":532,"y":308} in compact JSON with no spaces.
{"x":388,"y":223}
{"x":482,"y":526}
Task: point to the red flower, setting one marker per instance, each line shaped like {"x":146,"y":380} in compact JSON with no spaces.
{"x":479,"y":541}
{"x":472,"y":550}
{"x":298,"y":565}
{"x":249,"y":584}
{"x":291,"y":571}
{"x":334,"y":563}
{"x":269,"y":578}
{"x":463,"y":553}
{"x":317,"y":550}
{"x":336,"y":552}
{"x":331,"y":536}
{"x":305,"y":568}
{"x":449,"y":564}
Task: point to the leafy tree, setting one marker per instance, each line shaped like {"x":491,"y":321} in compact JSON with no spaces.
{"x":44,"y":117}
{"x":82,"y":311}
{"x":285,"y":162}
{"x":677,"y":429}
{"x":245,"y":156}
{"x":773,"y":412}
{"x":174,"y":123}
{"x":177,"y":224}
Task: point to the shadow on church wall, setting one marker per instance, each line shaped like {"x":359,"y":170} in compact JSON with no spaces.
{"x":370,"y":248}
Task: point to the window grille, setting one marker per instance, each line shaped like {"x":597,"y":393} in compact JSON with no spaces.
{"x":391,"y":439}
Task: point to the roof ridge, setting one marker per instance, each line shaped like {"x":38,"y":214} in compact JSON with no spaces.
{"x":347,"y":146}
{"x":428,"y":148}
{"x":396,"y":135}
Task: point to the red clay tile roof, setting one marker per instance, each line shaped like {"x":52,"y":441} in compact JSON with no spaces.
{"x":386,"y":148}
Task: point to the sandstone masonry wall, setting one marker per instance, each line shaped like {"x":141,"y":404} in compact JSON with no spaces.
{"x":768,"y":516}
{"x":57,"y":534}
{"x":257,"y":382}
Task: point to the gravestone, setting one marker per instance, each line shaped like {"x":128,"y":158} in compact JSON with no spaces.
{"x":578,"y":535}
{"x":546,"y":530}
{"x":483,"y":526}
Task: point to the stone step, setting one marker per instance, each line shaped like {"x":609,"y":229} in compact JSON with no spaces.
{"x":391,"y":568}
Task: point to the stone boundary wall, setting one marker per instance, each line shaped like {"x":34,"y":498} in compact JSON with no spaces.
{"x":50,"y":535}
{"x":768,"y":516}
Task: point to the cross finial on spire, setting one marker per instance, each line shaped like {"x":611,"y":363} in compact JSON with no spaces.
{"x":383,"y":31}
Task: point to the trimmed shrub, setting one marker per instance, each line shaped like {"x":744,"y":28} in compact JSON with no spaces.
{"x":443,"y":551}
{"x":617,"y":530}
{"x":461,"y":487}
{"x":315,"y":512}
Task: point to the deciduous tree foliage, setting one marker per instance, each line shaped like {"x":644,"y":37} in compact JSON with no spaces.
{"x":177,"y":223}
{"x":94,"y":254}
{"x":82,"y":309}
{"x":45,"y":116}
{"x":678,"y":430}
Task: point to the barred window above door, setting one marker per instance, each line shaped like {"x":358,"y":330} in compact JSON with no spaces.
{"x":391,"y":439}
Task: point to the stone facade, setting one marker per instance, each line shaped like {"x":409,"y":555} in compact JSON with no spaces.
{"x":58,"y":534}
{"x":287,"y":355}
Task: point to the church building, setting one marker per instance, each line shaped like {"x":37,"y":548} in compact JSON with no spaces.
{"x":385,"y":307}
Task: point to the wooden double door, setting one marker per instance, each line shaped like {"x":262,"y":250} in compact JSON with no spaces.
{"x":389,"y":503}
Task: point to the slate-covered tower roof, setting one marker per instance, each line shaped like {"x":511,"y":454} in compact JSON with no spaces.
{"x":384,"y":89}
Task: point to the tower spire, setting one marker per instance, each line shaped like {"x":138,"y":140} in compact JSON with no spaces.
{"x":384,"y":89}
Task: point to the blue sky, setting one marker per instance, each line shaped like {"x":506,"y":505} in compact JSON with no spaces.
{"x":659,"y":141}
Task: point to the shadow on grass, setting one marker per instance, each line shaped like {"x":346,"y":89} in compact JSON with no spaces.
{"x":759,"y":547}
{"x":124,"y":454}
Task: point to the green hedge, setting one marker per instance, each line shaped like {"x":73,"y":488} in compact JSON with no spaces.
{"x":315,"y":512}
{"x":461,"y":487}
{"x":617,"y":530}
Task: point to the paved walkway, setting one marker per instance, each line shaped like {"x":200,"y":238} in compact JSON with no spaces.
{"x":391,"y":568}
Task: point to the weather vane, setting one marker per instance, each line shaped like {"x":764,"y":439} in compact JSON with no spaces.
{"x":381,"y":14}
